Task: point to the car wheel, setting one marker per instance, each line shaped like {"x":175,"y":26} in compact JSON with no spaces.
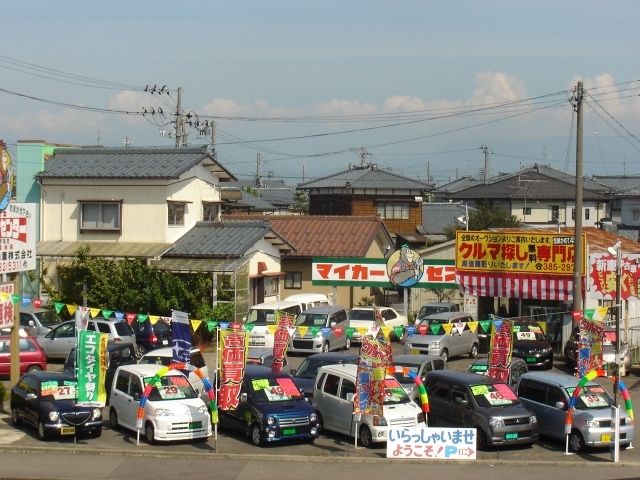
{"x":140,"y":351}
{"x":34,"y":368}
{"x":576,"y":441}
{"x":256,"y":435}
{"x":113,"y":418}
{"x":548,"y":366}
{"x":325,"y":347}
{"x":149,"y":433}
{"x":42,"y":432}
{"x":482,"y":439}
{"x":366,"y":440}
{"x":445,"y":355}
{"x":15,"y":418}
{"x":97,"y":433}
{"x":473,"y":353}
{"x":347,"y":344}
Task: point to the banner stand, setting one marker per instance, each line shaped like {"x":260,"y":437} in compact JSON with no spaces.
{"x":566,"y":448}
{"x":137,"y":437}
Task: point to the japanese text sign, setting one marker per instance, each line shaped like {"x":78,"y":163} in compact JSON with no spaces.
{"x":18,"y":238}
{"x":602,"y":276}
{"x":6,"y":306}
{"x":233,"y":355}
{"x":92,"y":368}
{"x":372,"y":272}
{"x":432,"y":443}
{"x":375,"y":357}
{"x":516,"y":252}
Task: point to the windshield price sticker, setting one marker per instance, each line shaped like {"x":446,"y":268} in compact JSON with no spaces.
{"x":596,"y":390}
{"x":260,"y":384}
{"x":495,"y":398}
{"x":479,"y":389}
{"x":276,"y":394}
{"x":171,"y":392}
{"x":525,"y":335}
{"x":504,"y":390}
{"x":288,"y":387}
{"x":179,"y":381}
{"x":593,"y":401}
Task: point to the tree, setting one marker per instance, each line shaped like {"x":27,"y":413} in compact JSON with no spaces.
{"x":484,"y":217}
{"x":300,"y":203}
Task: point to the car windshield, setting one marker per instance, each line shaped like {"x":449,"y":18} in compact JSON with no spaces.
{"x":434,"y":321}
{"x":311,"y":319}
{"x":262,"y":317}
{"x":151,"y":359}
{"x":430,"y":310}
{"x":493,"y":395}
{"x":362,"y":315}
{"x":309,"y":368}
{"x":172,"y":387}
{"x":271,"y":390}
{"x":161,"y":327}
{"x":58,"y":390}
{"x":406,"y":378}
{"x":591,"y":396}
{"x":47,"y":319}
{"x":393,"y":392}
{"x":528,"y":332}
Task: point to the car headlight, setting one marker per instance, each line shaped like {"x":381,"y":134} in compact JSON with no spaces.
{"x":202,"y":409}
{"x":592,"y":423}
{"x":533,"y":419}
{"x":271,"y":420}
{"x":628,"y":421}
{"x":496,"y":422}
{"x":379,"y":421}
{"x":313,"y":417}
{"x":434,"y":345}
{"x":53,"y":416}
{"x":96,"y":413}
{"x":163,"y":412}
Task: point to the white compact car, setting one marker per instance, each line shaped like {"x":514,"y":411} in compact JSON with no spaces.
{"x":173,"y":411}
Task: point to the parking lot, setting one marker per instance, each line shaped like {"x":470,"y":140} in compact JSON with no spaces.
{"x":329,"y":444}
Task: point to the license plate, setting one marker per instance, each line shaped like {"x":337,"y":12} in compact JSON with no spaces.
{"x":606,"y":438}
{"x":194,"y":425}
{"x":67,"y":430}
{"x":289,"y":431}
{"x":511,"y":436}
{"x":415,"y":352}
{"x":165,"y":342}
{"x":531,"y":359}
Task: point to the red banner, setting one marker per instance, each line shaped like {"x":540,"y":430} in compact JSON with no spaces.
{"x":233,"y":356}
{"x":375,"y":357}
{"x":500,"y":351}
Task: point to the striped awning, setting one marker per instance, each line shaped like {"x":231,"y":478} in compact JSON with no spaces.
{"x":509,"y":285}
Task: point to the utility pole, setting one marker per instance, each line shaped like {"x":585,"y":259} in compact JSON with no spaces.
{"x":428,"y":172}
{"x":181,"y":132}
{"x":578,"y":99}
{"x":485,"y":176}
{"x":258,"y":160}
{"x":363,"y":156}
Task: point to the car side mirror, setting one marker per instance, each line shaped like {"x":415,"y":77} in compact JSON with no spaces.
{"x":31,"y":396}
{"x":136,"y":397}
{"x":243,"y":397}
{"x":31,"y":323}
{"x":349,"y":397}
{"x":292,"y":371}
{"x":301,"y":391}
{"x":461,"y":402}
{"x":333,"y":324}
{"x":560,"y":405}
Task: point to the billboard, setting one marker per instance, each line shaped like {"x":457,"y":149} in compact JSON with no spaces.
{"x":602,"y":276}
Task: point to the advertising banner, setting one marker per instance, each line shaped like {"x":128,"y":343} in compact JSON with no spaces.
{"x":432,"y":443}
{"x":545,"y":253}
{"x":280,"y":343}
{"x":181,"y":337}
{"x":92,"y":368}
{"x":500,"y":353}
{"x":233,"y":359}
{"x":602,"y":276}
{"x":6,"y":305}
{"x":375,"y":357}
{"x":18,"y":237}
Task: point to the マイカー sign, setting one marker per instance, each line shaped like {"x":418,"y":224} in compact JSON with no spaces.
{"x":517,"y":252}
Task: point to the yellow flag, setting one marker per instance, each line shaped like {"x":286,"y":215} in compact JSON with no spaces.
{"x":4,"y":297}
{"x":447,"y":327}
{"x":602,"y":312}
{"x":543,"y":326}
{"x":472,"y":326}
{"x":72,"y":309}
{"x":154,"y":319}
{"x":362,"y":331}
{"x":94,"y":312}
{"x":195,"y":324}
{"x":272,"y":329}
{"x":386,"y":331}
{"x":303,"y":331}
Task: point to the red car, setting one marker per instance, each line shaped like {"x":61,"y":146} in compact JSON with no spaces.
{"x":32,"y":357}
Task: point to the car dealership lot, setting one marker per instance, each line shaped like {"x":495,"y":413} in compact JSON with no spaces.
{"x":329,"y":444}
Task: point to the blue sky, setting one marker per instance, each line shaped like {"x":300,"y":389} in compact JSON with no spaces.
{"x":386,"y":76}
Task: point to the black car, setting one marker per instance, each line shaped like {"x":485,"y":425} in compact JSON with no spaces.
{"x":271,"y":409}
{"x":117,"y":354}
{"x":150,"y":336}
{"x":530,"y":344}
{"x":305,"y":376}
{"x":46,"y":400}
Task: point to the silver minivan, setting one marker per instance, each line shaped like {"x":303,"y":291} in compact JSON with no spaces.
{"x":38,"y":321}
{"x":461,"y":340}
{"x":321,"y":334}
{"x":548,"y":394}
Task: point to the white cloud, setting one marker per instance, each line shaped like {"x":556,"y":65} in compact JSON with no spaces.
{"x":67,"y":120}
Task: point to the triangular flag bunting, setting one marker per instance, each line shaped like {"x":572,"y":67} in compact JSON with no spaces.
{"x":302,"y":331}
{"x":362,"y":331}
{"x":411,"y":330}
{"x":314,"y":331}
{"x":130,"y":317}
{"x":326,"y":331}
{"x":576,"y":314}
{"x":472,"y":326}
{"x":26,"y":301}
{"x":224,"y":325}
{"x":5,"y":296}
{"x":37,"y":302}
{"x":485,"y":324}
{"x":460,"y":326}
{"x":386,"y":331}
{"x":435,"y":328}
{"x":422,"y":329}
{"x":16,"y":298}
{"x":338,"y":331}
{"x":59,"y":306}
{"x":247,"y":326}
{"x":271,"y":329}
{"x":589,"y":313}
{"x":602,"y":312}
{"x":447,"y":327}
{"x":498,"y":324}
{"x":236,"y":327}
{"x":195,"y":324}
{"x":72,"y":309}
{"x":291,"y":331}
{"x":142,"y":318}
{"x":154,"y":319}
{"x":350,"y":331}
{"x":399,"y":331}
{"x":119,"y":316}
{"x":106,"y":313}
{"x":94,"y":312}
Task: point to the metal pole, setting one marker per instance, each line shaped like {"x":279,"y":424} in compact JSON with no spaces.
{"x":577,"y":270}
{"x":616,"y":384}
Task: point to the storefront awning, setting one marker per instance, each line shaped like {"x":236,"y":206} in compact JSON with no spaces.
{"x":505,"y":285}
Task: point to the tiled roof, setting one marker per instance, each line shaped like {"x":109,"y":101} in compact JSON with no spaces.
{"x":457,"y":184}
{"x":163,"y":163}
{"x":620,"y":185}
{"x":328,"y":236}
{"x":367,"y":176}
{"x":227,"y":239}
{"x":252,"y":202}
{"x":437,"y":216}
{"x":275,"y":192}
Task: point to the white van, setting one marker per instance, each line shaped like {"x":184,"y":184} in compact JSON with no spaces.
{"x":263,"y":314}
{"x":333,"y":397}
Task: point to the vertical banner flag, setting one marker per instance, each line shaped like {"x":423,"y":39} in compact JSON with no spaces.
{"x":375,"y":357}
{"x":501,"y":351}
{"x":6,"y":306}
{"x":181,"y":336}
{"x":92,"y":368}
{"x":82,"y":318}
{"x":280,"y":342}
{"x":233,"y":357}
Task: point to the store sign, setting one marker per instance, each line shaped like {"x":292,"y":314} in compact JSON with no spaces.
{"x":432,"y":443}
{"x":375,"y":272}
{"x":6,"y":305}
{"x":602,"y":276}
{"x":18,"y":238}
{"x":516,"y":252}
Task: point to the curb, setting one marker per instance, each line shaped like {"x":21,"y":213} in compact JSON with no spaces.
{"x":300,"y":458}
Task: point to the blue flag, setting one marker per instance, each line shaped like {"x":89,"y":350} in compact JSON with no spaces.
{"x":181,"y":335}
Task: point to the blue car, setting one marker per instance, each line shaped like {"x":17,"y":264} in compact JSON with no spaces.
{"x":271,"y":409}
